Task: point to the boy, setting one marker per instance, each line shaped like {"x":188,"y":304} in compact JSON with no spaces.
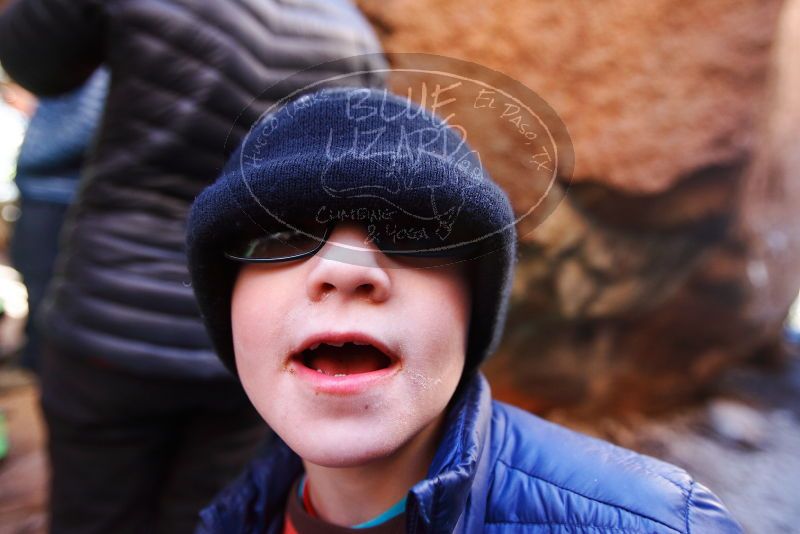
{"x":353,"y":265}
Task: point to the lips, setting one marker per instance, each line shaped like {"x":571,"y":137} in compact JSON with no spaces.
{"x":344,"y":354}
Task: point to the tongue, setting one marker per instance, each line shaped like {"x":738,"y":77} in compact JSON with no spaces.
{"x":349,"y":359}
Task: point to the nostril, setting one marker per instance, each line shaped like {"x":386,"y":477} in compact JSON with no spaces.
{"x":364,"y":290}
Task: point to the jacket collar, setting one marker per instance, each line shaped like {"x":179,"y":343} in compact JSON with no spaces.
{"x":257,"y":500}
{"x":437,"y":502}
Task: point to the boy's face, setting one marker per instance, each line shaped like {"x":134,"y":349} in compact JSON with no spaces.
{"x":420,"y":314}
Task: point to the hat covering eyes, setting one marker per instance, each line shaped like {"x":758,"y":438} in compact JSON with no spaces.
{"x":362,"y":155}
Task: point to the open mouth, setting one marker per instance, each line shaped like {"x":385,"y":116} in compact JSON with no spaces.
{"x":345,"y":359}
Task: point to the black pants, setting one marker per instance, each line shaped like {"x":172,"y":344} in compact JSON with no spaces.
{"x":137,"y":454}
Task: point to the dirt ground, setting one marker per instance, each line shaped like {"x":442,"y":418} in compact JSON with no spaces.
{"x":743,"y":444}
{"x":23,"y":472}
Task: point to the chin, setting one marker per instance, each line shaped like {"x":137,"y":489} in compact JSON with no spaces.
{"x":348,"y":439}
{"x":343,"y":453}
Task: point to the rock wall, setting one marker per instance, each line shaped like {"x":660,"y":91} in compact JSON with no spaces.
{"x":671,"y":256}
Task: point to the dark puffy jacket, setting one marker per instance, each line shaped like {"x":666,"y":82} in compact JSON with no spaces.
{"x":188,"y":78}
{"x":501,"y":469}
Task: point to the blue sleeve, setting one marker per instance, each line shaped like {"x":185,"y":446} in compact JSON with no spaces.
{"x":705,"y":513}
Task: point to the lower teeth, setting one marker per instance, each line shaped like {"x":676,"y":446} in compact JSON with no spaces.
{"x":337,"y":374}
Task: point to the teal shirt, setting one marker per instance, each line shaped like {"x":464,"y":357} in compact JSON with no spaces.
{"x":398,"y":508}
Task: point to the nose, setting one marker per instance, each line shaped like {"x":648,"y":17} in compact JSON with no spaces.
{"x":349,"y":266}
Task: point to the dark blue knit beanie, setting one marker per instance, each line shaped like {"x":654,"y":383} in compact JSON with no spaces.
{"x":357,"y":154}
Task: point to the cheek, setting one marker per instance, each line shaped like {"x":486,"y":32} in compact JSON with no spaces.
{"x":256,"y":329}
{"x":256,"y":309}
{"x":247,"y":320}
{"x":439,"y":307}
{"x":446,"y":303}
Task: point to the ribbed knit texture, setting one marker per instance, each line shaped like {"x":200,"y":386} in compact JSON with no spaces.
{"x":354,"y":153}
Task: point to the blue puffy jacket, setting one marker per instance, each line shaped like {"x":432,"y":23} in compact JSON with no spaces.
{"x":501,"y":469}
{"x":58,"y":139}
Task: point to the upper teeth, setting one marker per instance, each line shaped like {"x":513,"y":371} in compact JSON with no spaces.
{"x":315,"y":346}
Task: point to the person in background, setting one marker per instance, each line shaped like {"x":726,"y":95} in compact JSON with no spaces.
{"x":145,"y":424}
{"x":49,"y":165}
{"x":15,"y":96}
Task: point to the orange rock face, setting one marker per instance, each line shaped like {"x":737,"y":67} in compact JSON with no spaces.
{"x":650,"y":91}
{"x":672,"y":255}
